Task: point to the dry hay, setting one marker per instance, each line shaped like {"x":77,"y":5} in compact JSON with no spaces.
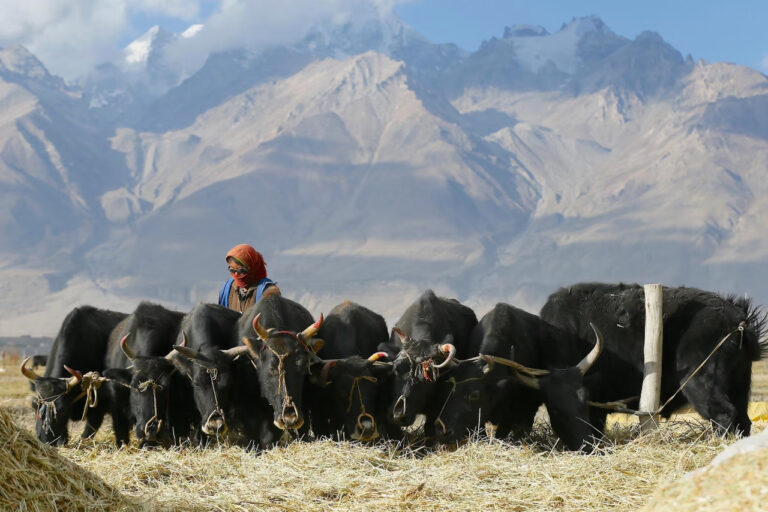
{"x":35,"y":477}
{"x":739,"y":483}
{"x":484,"y":474}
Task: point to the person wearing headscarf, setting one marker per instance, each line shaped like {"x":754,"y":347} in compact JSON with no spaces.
{"x":248,"y":282}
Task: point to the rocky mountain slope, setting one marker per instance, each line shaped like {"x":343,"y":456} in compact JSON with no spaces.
{"x":368,"y":163}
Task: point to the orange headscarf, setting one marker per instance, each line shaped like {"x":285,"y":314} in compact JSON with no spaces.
{"x":251,"y":259}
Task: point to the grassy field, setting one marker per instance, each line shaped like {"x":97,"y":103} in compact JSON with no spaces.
{"x":484,"y":474}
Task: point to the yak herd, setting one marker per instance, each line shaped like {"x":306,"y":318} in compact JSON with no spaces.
{"x":215,"y":373}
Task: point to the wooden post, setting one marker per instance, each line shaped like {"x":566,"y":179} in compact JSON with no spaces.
{"x":652,"y":352}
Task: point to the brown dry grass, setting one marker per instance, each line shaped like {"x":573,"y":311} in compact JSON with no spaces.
{"x":36,"y":477}
{"x":485,"y":474}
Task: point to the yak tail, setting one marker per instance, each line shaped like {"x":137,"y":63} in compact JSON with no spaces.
{"x":755,"y":335}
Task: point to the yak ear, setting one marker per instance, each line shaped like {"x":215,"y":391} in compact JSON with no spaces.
{"x":315,"y":344}
{"x":121,"y":375}
{"x":322,"y":373}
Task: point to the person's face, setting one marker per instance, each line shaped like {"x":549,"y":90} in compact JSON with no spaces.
{"x":235,"y":269}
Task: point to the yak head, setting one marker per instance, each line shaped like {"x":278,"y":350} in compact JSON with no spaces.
{"x":416,"y":370}
{"x":283,"y":361}
{"x":54,"y":403}
{"x":150,"y":379}
{"x":354,"y":384}
{"x":214,"y":374}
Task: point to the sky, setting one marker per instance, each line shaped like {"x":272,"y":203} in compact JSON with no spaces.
{"x":72,"y":36}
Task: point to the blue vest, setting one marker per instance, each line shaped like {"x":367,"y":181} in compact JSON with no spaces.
{"x":260,"y":287}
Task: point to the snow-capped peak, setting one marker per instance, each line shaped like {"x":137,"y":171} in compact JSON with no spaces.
{"x":137,"y":52}
{"x":192,"y":31}
{"x":535,"y":47}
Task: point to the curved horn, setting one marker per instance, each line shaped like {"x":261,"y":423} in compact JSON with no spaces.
{"x":447,"y":348}
{"x":75,"y":379}
{"x":129,"y":353}
{"x":586,"y":363}
{"x":326,"y":368}
{"x":27,"y":372}
{"x":173,"y":351}
{"x":400,"y":334}
{"x":187,"y":352}
{"x":249,"y":343}
{"x":258,"y":328}
{"x":377,"y":356}
{"x":236,"y":351}
{"x":312,"y":329}
{"x":526,"y":380}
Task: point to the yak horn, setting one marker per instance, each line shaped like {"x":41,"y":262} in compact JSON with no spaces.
{"x":187,"y":352}
{"x":173,"y":351}
{"x":533,"y":372}
{"x":400,"y":334}
{"x":27,"y":372}
{"x":526,"y":380}
{"x":258,"y":328}
{"x":377,"y":356}
{"x":326,"y":368}
{"x":249,"y":343}
{"x":450,"y":350}
{"x":75,"y":379}
{"x":312,"y":329}
{"x":236,"y":351}
{"x":586,"y":363}
{"x":129,"y":353}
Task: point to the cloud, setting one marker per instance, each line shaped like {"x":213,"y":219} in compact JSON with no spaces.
{"x":256,"y":24}
{"x":72,"y":37}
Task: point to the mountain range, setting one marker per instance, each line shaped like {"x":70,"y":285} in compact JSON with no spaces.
{"x":368,"y":163}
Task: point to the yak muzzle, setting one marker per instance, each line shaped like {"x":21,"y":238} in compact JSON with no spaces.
{"x":289,"y":419}
{"x":215,"y":425}
{"x":366,"y":429}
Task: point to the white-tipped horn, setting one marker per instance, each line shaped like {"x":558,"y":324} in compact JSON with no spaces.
{"x":27,"y":372}
{"x":586,"y":363}
{"x":447,"y":348}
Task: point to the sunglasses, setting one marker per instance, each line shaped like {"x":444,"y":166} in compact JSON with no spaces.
{"x":237,"y":271}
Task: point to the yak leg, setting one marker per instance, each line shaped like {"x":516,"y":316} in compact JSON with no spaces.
{"x":739,"y":395}
{"x":93,"y":420}
{"x":121,"y":424}
{"x":710,"y":400}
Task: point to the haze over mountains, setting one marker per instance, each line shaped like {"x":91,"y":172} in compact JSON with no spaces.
{"x":368,"y":163}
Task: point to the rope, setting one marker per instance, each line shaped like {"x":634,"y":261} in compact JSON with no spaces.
{"x":151,"y":383}
{"x":740,"y":328}
{"x":213,"y":373}
{"x":620,"y":406}
{"x":363,"y":413}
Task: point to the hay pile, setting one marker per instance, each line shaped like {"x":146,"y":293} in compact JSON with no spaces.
{"x":35,"y":477}
{"x":485,"y":474}
{"x":740,"y":483}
